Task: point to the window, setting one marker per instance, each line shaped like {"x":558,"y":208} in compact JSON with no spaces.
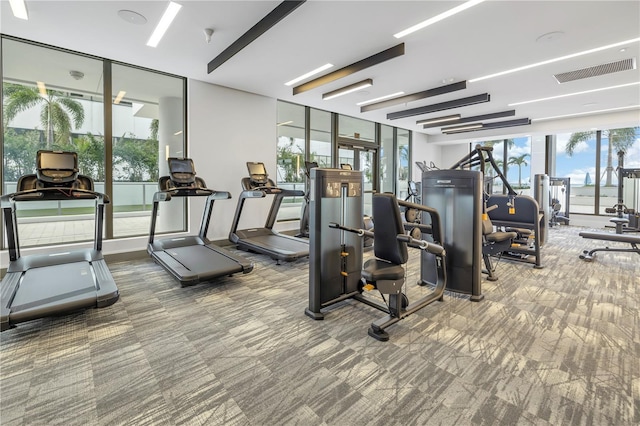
{"x":387,"y":168}
{"x":403,"y":161}
{"x":148,"y":127}
{"x":38,"y":79}
{"x":290,"y":157}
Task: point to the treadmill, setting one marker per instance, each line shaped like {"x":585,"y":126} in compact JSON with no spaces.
{"x":191,"y":259}
{"x":265,"y":240}
{"x":38,"y":286}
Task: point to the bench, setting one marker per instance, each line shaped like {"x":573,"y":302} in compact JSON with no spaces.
{"x":634,"y":240}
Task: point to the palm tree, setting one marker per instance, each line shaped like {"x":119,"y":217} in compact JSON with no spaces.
{"x":58,"y":110}
{"x":519,"y":161}
{"x":620,"y":139}
{"x":509,"y":143}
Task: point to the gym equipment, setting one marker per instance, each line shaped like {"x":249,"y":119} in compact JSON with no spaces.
{"x":304,"y":214}
{"x":559,"y":197}
{"x":620,"y":209}
{"x":336,"y":272}
{"x":38,"y":286}
{"x":265,"y":240}
{"x":191,"y":259}
{"x":457,"y":196}
{"x":622,"y":223}
{"x":494,"y":243}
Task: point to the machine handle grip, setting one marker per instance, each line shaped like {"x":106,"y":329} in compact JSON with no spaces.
{"x":432,"y":248}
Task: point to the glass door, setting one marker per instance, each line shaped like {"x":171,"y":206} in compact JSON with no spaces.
{"x":365,"y":160}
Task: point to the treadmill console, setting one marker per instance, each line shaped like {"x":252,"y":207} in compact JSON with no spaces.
{"x":56,"y":168}
{"x":182,"y":171}
{"x":258,"y":174}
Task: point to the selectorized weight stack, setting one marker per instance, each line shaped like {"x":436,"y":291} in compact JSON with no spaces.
{"x":336,"y":272}
{"x":335,"y":258}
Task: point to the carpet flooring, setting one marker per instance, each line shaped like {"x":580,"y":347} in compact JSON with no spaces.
{"x":552,"y":346}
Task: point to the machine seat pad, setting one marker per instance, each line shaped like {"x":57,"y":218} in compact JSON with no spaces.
{"x":376,"y":269}
{"x":619,"y":220}
{"x":522,"y":231}
{"x":497,"y":237}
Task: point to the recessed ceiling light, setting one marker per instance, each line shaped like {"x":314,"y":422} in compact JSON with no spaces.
{"x":347,"y":89}
{"x":309,"y":74}
{"x":284,"y":123}
{"x":550,"y":61}
{"x":118,"y":98}
{"x":438,"y":18}
{"x":41,"y":88}
{"x":132,"y":17}
{"x":380,"y":98}
{"x":585,"y":113}
{"x":162,"y":27}
{"x":575,"y":93}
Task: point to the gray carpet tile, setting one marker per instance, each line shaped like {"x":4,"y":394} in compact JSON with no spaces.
{"x":551,"y":346}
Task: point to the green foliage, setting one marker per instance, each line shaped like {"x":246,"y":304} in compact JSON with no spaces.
{"x":20,"y":149}
{"x":57,"y":115}
{"x":289,"y":158}
{"x":519,"y":161}
{"x":135,"y":160}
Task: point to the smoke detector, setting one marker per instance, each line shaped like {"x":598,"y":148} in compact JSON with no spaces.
{"x":76,"y":75}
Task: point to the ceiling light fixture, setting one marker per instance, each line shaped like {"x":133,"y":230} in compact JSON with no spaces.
{"x":119,"y":97}
{"x":385,"y":55}
{"x":445,"y":118}
{"x":416,"y":96}
{"x":481,"y":117}
{"x":19,"y":9}
{"x":586,"y":113}
{"x":284,"y":123}
{"x":575,"y":93}
{"x":162,"y":27}
{"x":348,"y":89}
{"x":438,"y":18}
{"x":456,"y":103}
{"x":280,"y":12}
{"x":309,"y":74}
{"x":454,"y":129}
{"x":380,"y":98}
{"x":550,"y":61}
{"x":41,"y":88}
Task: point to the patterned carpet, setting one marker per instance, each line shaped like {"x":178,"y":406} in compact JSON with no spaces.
{"x":557,"y":346}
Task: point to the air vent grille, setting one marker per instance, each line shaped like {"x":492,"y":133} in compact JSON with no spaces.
{"x":623,"y":65}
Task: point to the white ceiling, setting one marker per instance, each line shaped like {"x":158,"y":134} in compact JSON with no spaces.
{"x":490,"y":37}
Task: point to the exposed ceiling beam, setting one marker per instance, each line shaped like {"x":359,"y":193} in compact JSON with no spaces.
{"x":272,"y":18}
{"x":456,"y":103}
{"x":385,"y":55}
{"x":416,"y":96}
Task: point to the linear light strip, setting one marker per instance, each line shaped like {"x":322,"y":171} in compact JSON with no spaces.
{"x":443,"y":119}
{"x":309,"y":74}
{"x":550,"y":61}
{"x":586,"y":113}
{"x":119,"y":97}
{"x":496,"y":125}
{"x":385,"y":55}
{"x":456,"y":103}
{"x":19,"y":9}
{"x":575,"y":93}
{"x":438,"y":18}
{"x":347,"y":89}
{"x":416,"y":96}
{"x":379,"y":99}
{"x":461,"y":128}
{"x":481,"y":117}
{"x":162,"y":27}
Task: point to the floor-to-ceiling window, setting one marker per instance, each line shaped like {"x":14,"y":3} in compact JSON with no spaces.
{"x":386,"y":168}
{"x":403,"y":160}
{"x":54,"y":99}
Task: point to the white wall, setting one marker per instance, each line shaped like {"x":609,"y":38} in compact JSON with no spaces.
{"x":451,"y":154}
{"x":422,"y":150}
{"x":226,"y":129}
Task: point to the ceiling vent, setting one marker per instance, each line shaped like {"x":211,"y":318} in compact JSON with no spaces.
{"x":623,"y":65}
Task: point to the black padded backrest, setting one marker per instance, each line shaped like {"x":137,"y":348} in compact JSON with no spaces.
{"x":56,"y":168}
{"x":387,"y":226}
{"x":182,"y":171}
